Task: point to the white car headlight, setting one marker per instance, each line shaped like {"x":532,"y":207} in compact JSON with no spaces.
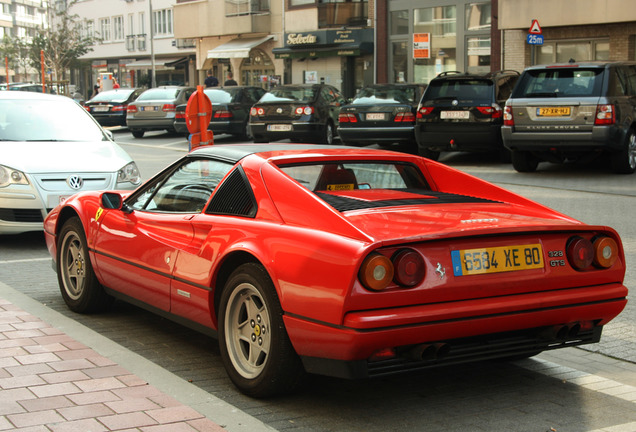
{"x":129,"y":174}
{"x":9,"y":176}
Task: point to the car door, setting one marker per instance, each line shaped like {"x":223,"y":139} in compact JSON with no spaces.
{"x":136,"y":248}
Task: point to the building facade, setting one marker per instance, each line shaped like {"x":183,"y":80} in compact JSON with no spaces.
{"x":134,"y":38}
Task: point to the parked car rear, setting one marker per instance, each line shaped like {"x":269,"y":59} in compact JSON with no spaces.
{"x":463,"y":112}
{"x":109,"y":107}
{"x":573,"y":111}
{"x":155,"y":109}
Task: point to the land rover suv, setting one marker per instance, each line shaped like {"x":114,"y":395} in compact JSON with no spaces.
{"x":463,"y":112}
{"x":573,"y":111}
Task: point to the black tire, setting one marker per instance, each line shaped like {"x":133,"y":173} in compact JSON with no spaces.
{"x":137,"y":133}
{"x":260,"y":139}
{"x":429,"y":154}
{"x":624,"y":161}
{"x":255,"y":348}
{"x":328,"y":134}
{"x":523,"y":161}
{"x":79,"y":286}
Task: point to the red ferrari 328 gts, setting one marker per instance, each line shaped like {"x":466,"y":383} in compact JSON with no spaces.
{"x":340,"y":261}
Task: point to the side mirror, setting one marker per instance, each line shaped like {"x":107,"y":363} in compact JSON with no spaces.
{"x":114,"y":201}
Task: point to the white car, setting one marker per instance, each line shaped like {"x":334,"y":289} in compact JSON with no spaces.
{"x":51,"y":148}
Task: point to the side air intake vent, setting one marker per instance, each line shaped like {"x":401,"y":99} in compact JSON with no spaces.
{"x":234,"y":196}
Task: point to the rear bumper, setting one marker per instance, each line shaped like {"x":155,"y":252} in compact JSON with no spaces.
{"x":301,"y":130}
{"x":372,"y":135}
{"x":599,"y":137}
{"x":150,"y":124}
{"x":468,"y":330}
{"x":458,"y":136}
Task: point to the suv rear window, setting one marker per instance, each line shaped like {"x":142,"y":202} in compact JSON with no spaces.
{"x":562,"y":82}
{"x":466,"y":89}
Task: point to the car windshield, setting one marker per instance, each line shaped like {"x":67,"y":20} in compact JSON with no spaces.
{"x":46,"y":120}
{"x":290,"y":94}
{"x":462,"y":89}
{"x":159,"y":94}
{"x":334,"y":176}
{"x":388,"y":94}
{"x":219,"y":96}
{"x":559,"y":82}
{"x":112,"y":96}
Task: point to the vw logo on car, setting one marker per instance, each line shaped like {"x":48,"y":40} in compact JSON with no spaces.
{"x":75,"y":182}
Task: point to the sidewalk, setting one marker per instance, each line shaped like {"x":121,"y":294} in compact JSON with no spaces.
{"x":52,"y":381}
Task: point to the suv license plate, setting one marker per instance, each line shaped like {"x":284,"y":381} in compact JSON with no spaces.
{"x":463,"y":115}
{"x":279,"y":127}
{"x":497,"y":259}
{"x":553,"y":111}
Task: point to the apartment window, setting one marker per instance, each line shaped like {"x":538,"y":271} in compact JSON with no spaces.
{"x":563,"y":51}
{"x":89,"y":28}
{"x":131,"y":24}
{"x":245,"y":7}
{"x":399,"y":22}
{"x":162,"y":22}
{"x":118,"y":28}
{"x":104,"y":28}
{"x":478,"y":16}
{"x":301,"y":2}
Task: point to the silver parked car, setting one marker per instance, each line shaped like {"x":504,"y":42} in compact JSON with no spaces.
{"x":573,"y":111}
{"x":51,"y":148}
{"x":155,"y":109}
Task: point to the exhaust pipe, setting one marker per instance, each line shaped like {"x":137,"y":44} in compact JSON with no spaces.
{"x":429,"y":352}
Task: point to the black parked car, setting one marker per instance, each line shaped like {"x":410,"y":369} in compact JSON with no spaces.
{"x":573,"y":111}
{"x":303,"y":113}
{"x":463,"y":112}
{"x":381,"y":113}
{"x":230,"y":110}
{"x":109,"y":107}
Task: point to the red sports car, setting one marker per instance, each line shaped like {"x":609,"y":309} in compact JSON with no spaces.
{"x":340,"y":261}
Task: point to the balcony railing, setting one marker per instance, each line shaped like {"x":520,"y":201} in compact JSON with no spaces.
{"x":350,"y":14}
{"x":246,"y":7}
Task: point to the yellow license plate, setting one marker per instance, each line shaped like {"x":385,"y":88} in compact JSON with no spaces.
{"x":553,"y":111}
{"x":497,"y":259}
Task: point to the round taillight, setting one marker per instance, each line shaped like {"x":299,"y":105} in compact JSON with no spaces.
{"x":409,"y":268}
{"x":605,"y":252}
{"x":308,"y":110}
{"x":253,"y":112}
{"x":299,"y":111}
{"x":376,"y":272}
{"x":580,"y":253}
{"x":260,"y":111}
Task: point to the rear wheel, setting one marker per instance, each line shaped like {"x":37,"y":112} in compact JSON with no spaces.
{"x":429,"y":154}
{"x":624,"y":161}
{"x":137,"y":133}
{"x":254,"y":344}
{"x":524,"y":161}
{"x":79,"y":286}
{"x":328,"y":134}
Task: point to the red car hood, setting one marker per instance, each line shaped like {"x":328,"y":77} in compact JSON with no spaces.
{"x":420,"y":221}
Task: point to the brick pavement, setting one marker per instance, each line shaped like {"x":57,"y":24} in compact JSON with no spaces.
{"x":51,"y":382}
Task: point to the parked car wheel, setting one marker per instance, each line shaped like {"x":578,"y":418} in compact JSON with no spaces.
{"x":260,"y":139}
{"x":624,"y":161}
{"x":80,"y":288}
{"x":327,"y":137}
{"x":254,"y":344}
{"x":430,"y":154}
{"x":137,"y":133}
{"x":523,"y":161}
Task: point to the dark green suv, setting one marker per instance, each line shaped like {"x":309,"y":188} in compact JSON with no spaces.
{"x":463,"y":112}
{"x":573,"y":111}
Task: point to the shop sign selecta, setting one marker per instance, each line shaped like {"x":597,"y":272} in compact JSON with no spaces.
{"x":342,"y":42}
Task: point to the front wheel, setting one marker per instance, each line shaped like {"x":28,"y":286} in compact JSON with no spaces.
{"x":79,"y":286}
{"x":137,"y":133}
{"x":624,"y":161}
{"x":255,"y":348}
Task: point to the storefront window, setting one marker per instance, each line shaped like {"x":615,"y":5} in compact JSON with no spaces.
{"x":257,"y":69}
{"x":478,"y":16}
{"x":441,"y":23}
{"x":399,"y":22}
{"x":301,"y":2}
{"x":400,"y":61}
{"x":478,"y":54}
{"x":563,"y":51}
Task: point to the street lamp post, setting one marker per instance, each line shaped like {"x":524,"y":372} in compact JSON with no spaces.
{"x":153,"y":79}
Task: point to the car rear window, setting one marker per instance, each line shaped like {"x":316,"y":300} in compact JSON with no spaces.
{"x":368,"y":95}
{"x":112,"y":96}
{"x":559,"y":82}
{"x":290,"y":94}
{"x":461,"y":89}
{"x":159,"y":94}
{"x":220,"y":96}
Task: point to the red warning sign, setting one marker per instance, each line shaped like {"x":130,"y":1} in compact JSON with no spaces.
{"x":535,"y":28}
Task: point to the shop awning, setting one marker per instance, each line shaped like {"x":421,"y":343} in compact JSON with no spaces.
{"x":347,"y":49}
{"x":237,"y":48}
{"x":160,"y":63}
